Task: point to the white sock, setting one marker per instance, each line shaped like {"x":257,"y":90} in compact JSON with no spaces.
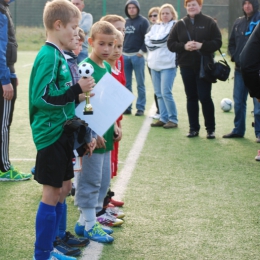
{"x":81,"y":220}
{"x":89,"y":215}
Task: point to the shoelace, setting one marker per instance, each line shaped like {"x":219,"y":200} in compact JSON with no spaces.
{"x":98,"y":230}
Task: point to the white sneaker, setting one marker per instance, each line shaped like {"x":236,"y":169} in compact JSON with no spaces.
{"x":257,"y":158}
{"x":156,"y":116}
{"x":116,"y":212}
{"x":107,"y":219}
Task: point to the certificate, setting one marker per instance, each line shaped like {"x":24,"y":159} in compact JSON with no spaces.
{"x":110,"y":101}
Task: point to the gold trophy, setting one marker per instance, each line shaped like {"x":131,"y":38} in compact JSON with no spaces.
{"x":86,"y":70}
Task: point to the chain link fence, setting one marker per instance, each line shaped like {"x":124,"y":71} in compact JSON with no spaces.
{"x":29,"y":12}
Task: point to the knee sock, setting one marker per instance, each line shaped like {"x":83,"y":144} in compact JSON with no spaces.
{"x":63,"y":221}
{"x":59,"y":210}
{"x":90,"y":216}
{"x":45,"y":227}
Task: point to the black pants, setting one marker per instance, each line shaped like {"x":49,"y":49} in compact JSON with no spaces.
{"x":196,"y":90}
{"x":6,"y":117}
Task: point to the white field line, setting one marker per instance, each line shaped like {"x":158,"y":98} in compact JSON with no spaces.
{"x":27,"y":65}
{"x":94,"y":250}
{"x":23,"y":159}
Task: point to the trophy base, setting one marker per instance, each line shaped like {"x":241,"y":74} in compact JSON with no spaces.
{"x":88,"y":112}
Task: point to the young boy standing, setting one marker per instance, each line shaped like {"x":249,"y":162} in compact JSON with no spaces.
{"x":94,"y":179}
{"x":51,"y":104}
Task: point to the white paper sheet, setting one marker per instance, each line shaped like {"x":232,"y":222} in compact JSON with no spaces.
{"x":110,"y":101}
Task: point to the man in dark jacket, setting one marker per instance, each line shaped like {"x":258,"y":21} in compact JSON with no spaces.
{"x":133,"y":51}
{"x":241,"y":31}
{"x":8,"y":83}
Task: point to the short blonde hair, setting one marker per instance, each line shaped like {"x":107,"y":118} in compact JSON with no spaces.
{"x":200,"y":2}
{"x":62,"y":10}
{"x":173,"y":11}
{"x":102,"y":27}
{"x":112,"y":18}
{"x":155,"y":9}
{"x":119,"y":35}
{"x":82,"y":35}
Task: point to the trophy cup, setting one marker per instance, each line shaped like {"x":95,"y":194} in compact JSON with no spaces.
{"x":86,"y":70}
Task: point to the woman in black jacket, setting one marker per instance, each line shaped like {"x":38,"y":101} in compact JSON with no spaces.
{"x":193,"y":36}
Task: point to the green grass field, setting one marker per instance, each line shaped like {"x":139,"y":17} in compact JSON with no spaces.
{"x":187,"y":198}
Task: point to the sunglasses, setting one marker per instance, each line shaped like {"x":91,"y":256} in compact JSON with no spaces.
{"x":153,"y":15}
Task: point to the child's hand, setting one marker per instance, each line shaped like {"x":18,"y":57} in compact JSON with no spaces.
{"x":101,"y":142}
{"x":86,"y":84}
{"x":117,"y":133}
{"x":91,"y":146}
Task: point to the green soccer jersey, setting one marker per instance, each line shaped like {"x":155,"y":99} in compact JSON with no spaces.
{"x":51,"y":100}
{"x":97,"y":75}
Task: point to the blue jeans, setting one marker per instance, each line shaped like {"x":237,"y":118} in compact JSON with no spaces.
{"x":240,"y":94}
{"x":163,"y":84}
{"x":196,"y":90}
{"x":137,"y":64}
{"x":82,"y":56}
{"x":257,"y":116}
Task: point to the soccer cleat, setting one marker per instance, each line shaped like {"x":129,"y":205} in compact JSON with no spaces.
{"x":116,"y":212}
{"x":96,"y":233}
{"x":65,"y":249}
{"x":56,"y":254}
{"x":73,"y":241}
{"x":257,"y":158}
{"x":107,"y":219}
{"x":117,"y":203}
{"x":14,"y":175}
{"x":79,"y":230}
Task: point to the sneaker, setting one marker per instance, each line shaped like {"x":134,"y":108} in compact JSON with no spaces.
{"x":211,"y":135}
{"x":96,"y":233}
{"x":73,"y":190}
{"x":127,"y":112}
{"x":157,"y":124}
{"x":79,"y":230}
{"x":193,"y":134}
{"x":258,"y":139}
{"x":139,"y":113}
{"x":257,"y":158}
{"x":116,"y":203}
{"x":156,"y":116}
{"x":73,"y":241}
{"x":107,"y":219}
{"x":116,"y":212}
{"x":14,"y":175}
{"x":232,"y":135}
{"x":65,"y":249}
{"x":51,"y":258}
{"x":57,"y":255}
{"x":169,"y":125}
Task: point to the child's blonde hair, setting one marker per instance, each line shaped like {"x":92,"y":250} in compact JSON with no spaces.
{"x":62,"y":10}
{"x":119,"y":35}
{"x":112,"y":18}
{"x":102,"y":27}
{"x":173,"y":11}
{"x":82,"y":35}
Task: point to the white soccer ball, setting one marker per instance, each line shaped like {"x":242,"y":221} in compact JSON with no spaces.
{"x":85,"y":69}
{"x":226,"y":104}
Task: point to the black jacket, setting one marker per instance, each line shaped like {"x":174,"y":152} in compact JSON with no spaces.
{"x":204,"y":30}
{"x":250,"y":63}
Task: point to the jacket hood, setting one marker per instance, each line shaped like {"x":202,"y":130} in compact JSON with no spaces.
{"x":4,"y":3}
{"x":134,"y":2}
{"x":254,"y":3}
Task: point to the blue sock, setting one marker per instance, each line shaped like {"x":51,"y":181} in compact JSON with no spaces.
{"x":63,"y":221}
{"x":59,"y":210}
{"x":45,"y":224}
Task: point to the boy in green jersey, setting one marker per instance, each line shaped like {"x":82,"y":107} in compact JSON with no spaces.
{"x":94,"y":180}
{"x":51,"y":104}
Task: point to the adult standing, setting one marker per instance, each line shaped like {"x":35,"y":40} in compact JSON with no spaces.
{"x":8,"y":84}
{"x":85,"y":24}
{"x":240,"y":33}
{"x":204,"y":39}
{"x":163,"y":66}
{"x":133,"y":51}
